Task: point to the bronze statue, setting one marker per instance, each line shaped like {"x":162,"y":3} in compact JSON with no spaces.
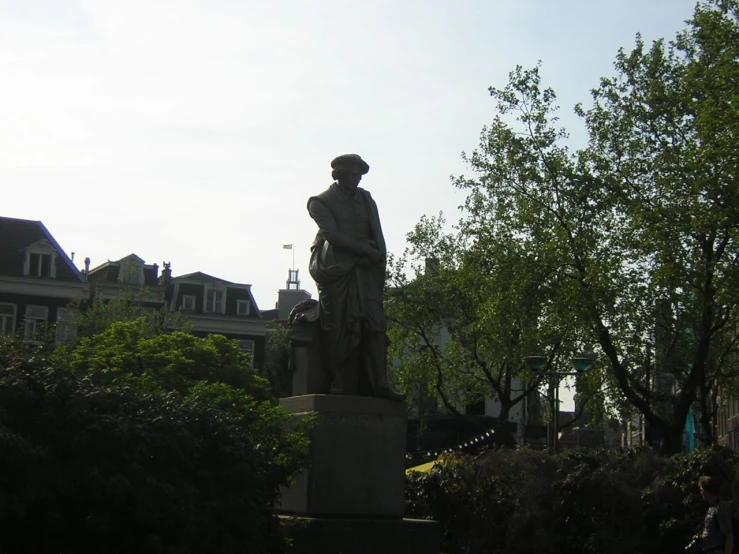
{"x":348,"y":258}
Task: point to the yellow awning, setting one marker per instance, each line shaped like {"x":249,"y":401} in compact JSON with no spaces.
{"x":423,"y":468}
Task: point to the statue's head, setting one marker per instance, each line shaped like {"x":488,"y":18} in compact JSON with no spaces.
{"x":348,"y":169}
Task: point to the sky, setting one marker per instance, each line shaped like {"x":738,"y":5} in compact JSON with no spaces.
{"x":193,"y":132}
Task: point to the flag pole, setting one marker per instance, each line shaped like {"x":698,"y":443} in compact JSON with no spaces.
{"x":290,"y":247}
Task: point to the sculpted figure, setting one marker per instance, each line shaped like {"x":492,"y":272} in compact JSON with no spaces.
{"x":348,"y":258}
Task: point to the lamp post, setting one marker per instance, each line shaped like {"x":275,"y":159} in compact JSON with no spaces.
{"x":554,"y":378}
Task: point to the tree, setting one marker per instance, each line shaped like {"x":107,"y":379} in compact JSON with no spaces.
{"x":641,"y":226}
{"x":195,"y":369}
{"x":92,"y":468}
{"x":663,"y":144}
{"x":464,"y":320}
{"x":98,"y":314}
{"x":277,"y":368}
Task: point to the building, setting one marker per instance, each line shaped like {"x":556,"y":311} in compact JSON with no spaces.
{"x":40,"y":287}
{"x":287,"y":298}
{"x":209,"y":304}
{"x":727,"y":422}
{"x":131,"y":273}
{"x":38,"y":281}
{"x":214,"y":305}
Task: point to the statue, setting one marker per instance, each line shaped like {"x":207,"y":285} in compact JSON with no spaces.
{"x":348,"y":259}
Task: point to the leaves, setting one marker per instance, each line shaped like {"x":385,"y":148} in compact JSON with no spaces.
{"x":630,"y":244}
{"x":580,"y":501}
{"x":91,"y":469}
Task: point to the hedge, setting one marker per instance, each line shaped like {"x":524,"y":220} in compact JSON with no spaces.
{"x":605,"y":502}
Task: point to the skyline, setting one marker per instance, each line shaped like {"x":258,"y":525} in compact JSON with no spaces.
{"x":195,"y":134}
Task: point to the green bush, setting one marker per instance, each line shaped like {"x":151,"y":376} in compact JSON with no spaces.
{"x":90,"y":468}
{"x":195,"y":368}
{"x":576,"y":502}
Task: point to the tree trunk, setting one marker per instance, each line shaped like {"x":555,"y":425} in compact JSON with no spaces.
{"x":707,"y":435}
{"x":672,"y":439}
{"x":502,"y":438}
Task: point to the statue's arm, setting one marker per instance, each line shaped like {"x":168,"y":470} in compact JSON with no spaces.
{"x":330,"y":230}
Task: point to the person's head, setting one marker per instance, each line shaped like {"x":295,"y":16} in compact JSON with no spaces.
{"x":348,"y":169}
{"x":710,"y":488}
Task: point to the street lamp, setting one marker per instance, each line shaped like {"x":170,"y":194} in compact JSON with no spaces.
{"x":537,"y":363}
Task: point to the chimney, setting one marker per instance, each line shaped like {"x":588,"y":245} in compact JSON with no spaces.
{"x":72,"y":257}
{"x":155,"y":269}
{"x":87,"y":267}
{"x":166,"y":274}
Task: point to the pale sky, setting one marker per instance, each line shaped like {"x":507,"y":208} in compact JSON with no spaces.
{"x":194,"y":131}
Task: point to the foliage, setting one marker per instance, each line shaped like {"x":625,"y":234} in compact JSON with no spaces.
{"x":578,"y":502}
{"x":629,"y":244}
{"x":212,"y":368}
{"x":277,"y":359}
{"x":462,"y":325}
{"x":661,"y":147}
{"x":90,"y":468}
{"x":98,"y":314}
{"x":163,"y":361}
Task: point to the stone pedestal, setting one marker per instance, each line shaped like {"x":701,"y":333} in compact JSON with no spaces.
{"x":308,"y":375}
{"x":361,"y":536}
{"x":357,"y":453}
{"x":351,"y":498}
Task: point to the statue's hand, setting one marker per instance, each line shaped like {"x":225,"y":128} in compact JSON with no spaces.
{"x":373,"y":254}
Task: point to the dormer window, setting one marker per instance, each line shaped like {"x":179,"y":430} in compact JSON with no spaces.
{"x":242,"y":307}
{"x":40,"y":260}
{"x":131,"y":271}
{"x":188,"y":303}
{"x":214,"y":301}
{"x":39,"y":265}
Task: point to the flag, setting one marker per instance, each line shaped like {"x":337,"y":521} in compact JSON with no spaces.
{"x":287,"y":246}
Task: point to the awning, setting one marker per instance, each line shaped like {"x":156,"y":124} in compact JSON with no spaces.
{"x":423,"y":468}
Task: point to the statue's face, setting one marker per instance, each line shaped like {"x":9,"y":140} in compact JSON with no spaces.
{"x":351,"y":177}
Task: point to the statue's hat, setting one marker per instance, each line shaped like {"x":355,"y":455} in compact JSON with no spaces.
{"x":350,"y":160}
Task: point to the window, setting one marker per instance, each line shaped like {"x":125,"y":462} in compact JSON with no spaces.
{"x":188,"y":303}
{"x":214,"y":301}
{"x":35,"y":323}
{"x":242,"y":307}
{"x":65,"y":332}
{"x":247,"y":346}
{"x":39,"y":265}
{"x":7,"y":319}
{"x":40,"y":260}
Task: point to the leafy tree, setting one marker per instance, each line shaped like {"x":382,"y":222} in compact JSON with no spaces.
{"x":193,"y":368}
{"x":663,"y":146}
{"x":639,"y":228}
{"x":89,"y":468}
{"x":98,"y":314}
{"x":466,"y":308}
{"x":277,"y":359}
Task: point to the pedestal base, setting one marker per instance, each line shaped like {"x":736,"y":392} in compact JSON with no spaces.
{"x":357,"y":458}
{"x":361,"y":536}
